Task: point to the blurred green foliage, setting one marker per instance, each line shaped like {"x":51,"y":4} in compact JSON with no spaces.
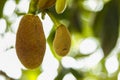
{"x":2,"y":3}
{"x":106,"y":26}
{"x":103,"y":25}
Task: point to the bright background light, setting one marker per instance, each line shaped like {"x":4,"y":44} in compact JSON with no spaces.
{"x":93,"y":5}
{"x":10,"y":64}
{"x":69,"y":76}
{"x":112,"y":64}
{"x":88,"y":46}
{"x":3,"y":26}
{"x":9,"y":8}
{"x":2,"y":77}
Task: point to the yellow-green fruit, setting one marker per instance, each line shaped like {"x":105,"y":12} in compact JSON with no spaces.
{"x":30,"y":41}
{"x":45,"y":4}
{"x":62,"y":41}
{"x":60,"y":6}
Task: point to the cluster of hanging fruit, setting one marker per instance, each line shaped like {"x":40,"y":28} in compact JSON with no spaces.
{"x":30,"y":38}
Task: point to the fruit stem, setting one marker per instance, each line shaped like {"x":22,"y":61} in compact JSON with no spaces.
{"x":33,"y":7}
{"x":55,"y":21}
{"x":57,"y":57}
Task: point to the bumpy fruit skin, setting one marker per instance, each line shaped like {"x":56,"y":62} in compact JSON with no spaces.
{"x":45,"y":4}
{"x":62,"y":41}
{"x":30,"y":41}
{"x":60,"y":6}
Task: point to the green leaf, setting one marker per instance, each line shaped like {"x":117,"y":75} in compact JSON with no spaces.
{"x":63,"y":71}
{"x":51,"y":38}
{"x":61,"y":74}
{"x":75,"y":25}
{"x":17,"y":1}
{"x":106,"y":26}
{"x":33,"y":6}
{"x":2,"y":3}
{"x":77,"y":74}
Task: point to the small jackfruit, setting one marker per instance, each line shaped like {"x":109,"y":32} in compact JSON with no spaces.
{"x":62,"y":40}
{"x":30,"y":41}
